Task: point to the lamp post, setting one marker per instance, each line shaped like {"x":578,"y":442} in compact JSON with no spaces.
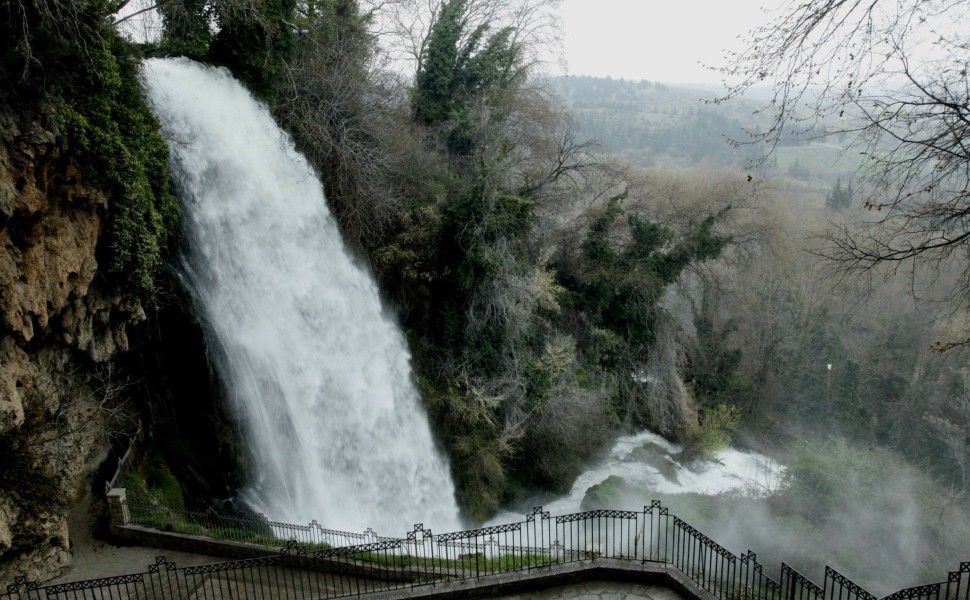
{"x":828,"y":381}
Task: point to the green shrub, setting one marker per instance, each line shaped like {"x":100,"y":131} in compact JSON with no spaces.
{"x":244,"y":535}
{"x":151,"y":481}
{"x":713,"y":433}
{"x":106,"y":124}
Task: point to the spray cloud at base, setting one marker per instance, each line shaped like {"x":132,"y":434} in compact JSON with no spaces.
{"x":865,"y":512}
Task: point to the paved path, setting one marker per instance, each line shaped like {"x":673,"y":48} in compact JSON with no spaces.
{"x":600,"y":590}
{"x":95,"y":558}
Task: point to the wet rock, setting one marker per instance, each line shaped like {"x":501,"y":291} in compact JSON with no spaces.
{"x":614,"y":492}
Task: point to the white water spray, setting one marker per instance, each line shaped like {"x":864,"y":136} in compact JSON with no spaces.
{"x":656,"y":472}
{"x":318,"y":376}
{"x":731,"y":471}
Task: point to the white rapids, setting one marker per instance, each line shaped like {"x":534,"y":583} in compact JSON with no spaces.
{"x":732,"y":471}
{"x":316,"y":373}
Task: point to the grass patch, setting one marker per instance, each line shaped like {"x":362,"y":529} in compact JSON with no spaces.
{"x":476,"y":562}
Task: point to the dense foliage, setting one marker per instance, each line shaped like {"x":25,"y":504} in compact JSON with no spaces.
{"x":86,"y":78}
{"x":112,"y":132}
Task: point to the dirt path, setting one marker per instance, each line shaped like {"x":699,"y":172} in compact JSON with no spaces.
{"x":95,"y":558}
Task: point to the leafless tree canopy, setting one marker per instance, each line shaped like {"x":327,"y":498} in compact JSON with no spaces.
{"x":893,"y":75}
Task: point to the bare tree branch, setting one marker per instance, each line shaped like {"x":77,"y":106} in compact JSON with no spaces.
{"x":894,"y":75}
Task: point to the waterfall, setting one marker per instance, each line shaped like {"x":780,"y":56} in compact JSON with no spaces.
{"x":317,"y":375}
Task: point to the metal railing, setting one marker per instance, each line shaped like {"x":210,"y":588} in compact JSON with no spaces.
{"x":422,"y":558}
{"x":257,"y":529}
{"x":124,"y":465}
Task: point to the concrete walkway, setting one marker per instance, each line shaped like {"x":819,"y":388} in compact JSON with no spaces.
{"x":597,"y":579}
{"x":96,"y":558}
{"x":600,"y":590}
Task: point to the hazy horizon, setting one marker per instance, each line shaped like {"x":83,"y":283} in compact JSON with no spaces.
{"x":655,"y":41}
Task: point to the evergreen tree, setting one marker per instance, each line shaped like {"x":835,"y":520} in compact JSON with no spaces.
{"x":254,"y":46}
{"x":186,"y":29}
{"x":839,"y":198}
{"x":435,"y":92}
{"x":459,"y":68}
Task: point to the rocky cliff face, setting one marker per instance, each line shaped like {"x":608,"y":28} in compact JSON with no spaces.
{"x":59,"y":331}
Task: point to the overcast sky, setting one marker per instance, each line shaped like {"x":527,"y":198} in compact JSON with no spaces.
{"x":657,"y":40}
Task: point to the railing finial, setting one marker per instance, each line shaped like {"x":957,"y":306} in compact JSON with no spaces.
{"x":536,"y":511}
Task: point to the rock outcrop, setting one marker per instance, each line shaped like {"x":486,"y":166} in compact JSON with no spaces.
{"x":59,"y":331}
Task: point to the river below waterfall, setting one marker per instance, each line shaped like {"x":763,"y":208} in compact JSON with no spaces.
{"x":644,"y":466}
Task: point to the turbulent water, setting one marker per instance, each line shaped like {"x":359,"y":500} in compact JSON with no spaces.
{"x":647,"y":463}
{"x":658,"y":472}
{"x":318,"y":376}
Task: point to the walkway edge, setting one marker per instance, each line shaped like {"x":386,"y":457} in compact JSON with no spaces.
{"x":539,"y":578}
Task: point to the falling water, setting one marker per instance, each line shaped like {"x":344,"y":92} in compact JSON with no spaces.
{"x":317,"y":374}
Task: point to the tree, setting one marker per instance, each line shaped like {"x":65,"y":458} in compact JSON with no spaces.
{"x":435,"y":89}
{"x":892,"y":75}
{"x":186,"y":29}
{"x":253,"y":42}
{"x":347,"y":117}
{"x":840,"y":197}
{"x":534,"y":25}
{"x":481,"y":303}
{"x":463,"y":72}
{"x":950,"y":424}
{"x":47,"y":43}
{"x":626,"y":274}
{"x":616,"y":277}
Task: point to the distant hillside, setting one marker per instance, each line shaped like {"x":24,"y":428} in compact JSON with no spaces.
{"x":655,"y":124}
